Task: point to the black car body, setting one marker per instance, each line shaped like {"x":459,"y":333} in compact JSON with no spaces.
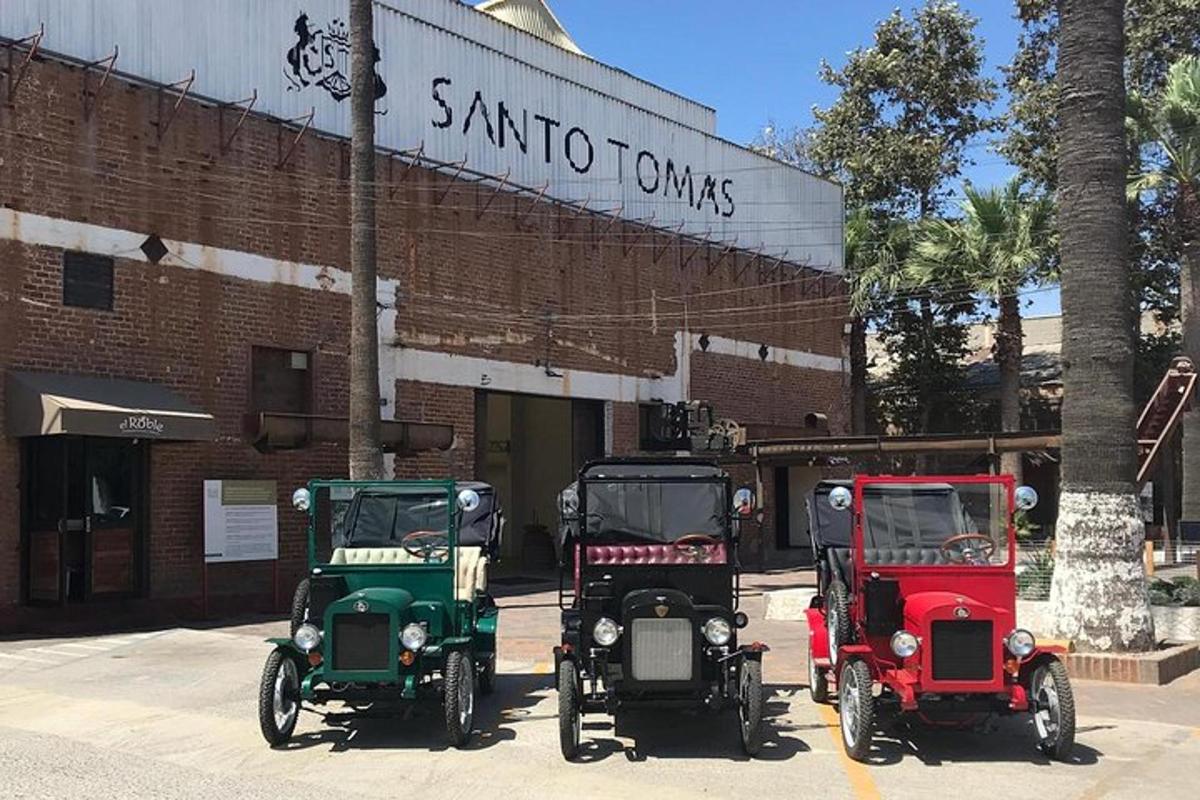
{"x":649,"y":550}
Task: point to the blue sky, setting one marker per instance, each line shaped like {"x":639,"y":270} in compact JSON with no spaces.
{"x":757,"y":60}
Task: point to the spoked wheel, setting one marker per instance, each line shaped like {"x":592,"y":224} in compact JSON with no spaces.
{"x":856,"y":707}
{"x":460,"y":697}
{"x":300,"y":604}
{"x":750,"y":706}
{"x":278,"y":698}
{"x":818,"y":682}
{"x":1053,"y":710}
{"x":837,"y":618}
{"x":570,"y":720}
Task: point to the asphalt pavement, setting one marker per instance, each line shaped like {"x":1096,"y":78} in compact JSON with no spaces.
{"x":172,"y":713}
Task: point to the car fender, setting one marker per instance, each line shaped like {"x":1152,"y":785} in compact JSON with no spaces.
{"x":818,"y":632}
{"x":1040,"y":655}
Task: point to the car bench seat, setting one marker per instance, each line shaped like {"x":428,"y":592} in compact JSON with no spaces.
{"x":470,"y":570}
{"x":911,"y":556}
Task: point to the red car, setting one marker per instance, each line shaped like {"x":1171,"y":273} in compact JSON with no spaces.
{"x":917,"y":595}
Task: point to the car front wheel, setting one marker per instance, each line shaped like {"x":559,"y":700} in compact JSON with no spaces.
{"x":856,"y":708}
{"x":300,"y":602}
{"x":1053,"y":710}
{"x":570,"y":721}
{"x":278,"y":698}
{"x":460,"y":697}
{"x":750,"y":706}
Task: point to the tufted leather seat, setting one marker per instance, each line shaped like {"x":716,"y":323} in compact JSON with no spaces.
{"x":914,"y":556}
{"x":637,"y":554}
{"x":470,"y":572}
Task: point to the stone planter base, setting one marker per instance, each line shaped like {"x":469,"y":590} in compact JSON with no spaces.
{"x":1155,"y":669}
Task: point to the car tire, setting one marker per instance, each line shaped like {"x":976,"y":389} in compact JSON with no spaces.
{"x":750,"y":706}
{"x":300,"y":605}
{"x":1054,"y":710}
{"x":837,"y":618}
{"x":459,"y":702}
{"x":487,"y":676}
{"x":570,"y":720}
{"x":818,"y":681}
{"x":278,"y":698}
{"x":856,"y":708}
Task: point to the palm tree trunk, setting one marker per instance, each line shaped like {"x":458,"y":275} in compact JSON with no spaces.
{"x":858,"y":375}
{"x":1009,"y":348}
{"x":1098,"y":595}
{"x":1189,"y":312}
{"x":366,"y":455}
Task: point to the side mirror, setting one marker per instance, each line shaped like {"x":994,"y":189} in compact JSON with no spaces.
{"x":301,"y":499}
{"x":840,"y":498}
{"x":743,"y":502}
{"x":468,"y":500}
{"x":568,"y":503}
{"x":1026,"y":498}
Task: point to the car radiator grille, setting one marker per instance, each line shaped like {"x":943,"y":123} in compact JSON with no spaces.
{"x":361,"y":641}
{"x":962,"y":651}
{"x":662,"y":649}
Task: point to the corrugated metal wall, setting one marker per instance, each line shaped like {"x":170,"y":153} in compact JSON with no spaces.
{"x":591,"y":131}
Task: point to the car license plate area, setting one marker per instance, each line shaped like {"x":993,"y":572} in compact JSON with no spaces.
{"x":661,"y":649}
{"x":962,"y":650}
{"x":361,"y":642}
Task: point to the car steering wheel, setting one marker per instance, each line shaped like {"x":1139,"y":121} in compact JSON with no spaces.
{"x":426,"y":545}
{"x":695,"y":545}
{"x":962,"y":555}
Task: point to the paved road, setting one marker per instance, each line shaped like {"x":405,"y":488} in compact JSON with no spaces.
{"x":171,"y":713}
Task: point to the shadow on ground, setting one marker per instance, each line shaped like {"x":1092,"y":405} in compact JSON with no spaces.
{"x":421,"y":725}
{"x":691,"y":734}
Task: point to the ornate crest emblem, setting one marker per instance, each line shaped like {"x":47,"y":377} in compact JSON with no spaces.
{"x":962,"y":612}
{"x":361,"y":606}
{"x":322,"y":58}
{"x":661,"y":611}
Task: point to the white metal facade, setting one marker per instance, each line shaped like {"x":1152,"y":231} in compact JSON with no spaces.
{"x":465,"y":85}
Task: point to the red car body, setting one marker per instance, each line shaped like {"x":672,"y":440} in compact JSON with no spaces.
{"x":929,"y":597}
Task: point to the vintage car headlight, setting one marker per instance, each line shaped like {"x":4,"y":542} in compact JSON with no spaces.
{"x":606,"y":632}
{"x":307,"y":637}
{"x":904,"y":644}
{"x":717,"y":631}
{"x":1020,"y":642}
{"x":413,"y":637}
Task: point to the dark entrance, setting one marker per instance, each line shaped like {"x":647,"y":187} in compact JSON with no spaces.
{"x":83,"y":518}
{"x":529,"y":447}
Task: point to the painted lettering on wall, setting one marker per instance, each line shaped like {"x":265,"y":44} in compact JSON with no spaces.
{"x":552,"y":139}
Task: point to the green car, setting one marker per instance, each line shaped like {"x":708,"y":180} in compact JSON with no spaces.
{"x":396,"y":605}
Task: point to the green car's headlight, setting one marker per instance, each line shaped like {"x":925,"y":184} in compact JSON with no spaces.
{"x":413,"y":637}
{"x":307,"y":637}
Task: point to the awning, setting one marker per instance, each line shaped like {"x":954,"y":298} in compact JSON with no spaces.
{"x":47,"y":404}
{"x":278,"y":431}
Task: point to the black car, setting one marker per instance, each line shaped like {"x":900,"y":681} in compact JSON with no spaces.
{"x":650,"y":616}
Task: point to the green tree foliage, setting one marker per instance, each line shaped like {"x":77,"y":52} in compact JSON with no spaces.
{"x":1002,"y":242}
{"x":896,"y":137}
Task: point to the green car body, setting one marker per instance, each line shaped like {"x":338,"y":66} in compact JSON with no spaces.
{"x":361,"y":598}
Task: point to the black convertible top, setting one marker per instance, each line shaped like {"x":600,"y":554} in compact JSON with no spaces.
{"x":651,"y":468}
{"x":481,"y":527}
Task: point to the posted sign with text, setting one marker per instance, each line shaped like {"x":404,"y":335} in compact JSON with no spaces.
{"x":241,"y":521}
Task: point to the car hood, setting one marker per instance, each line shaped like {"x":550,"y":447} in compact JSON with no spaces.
{"x":379,"y":598}
{"x":922,"y":604}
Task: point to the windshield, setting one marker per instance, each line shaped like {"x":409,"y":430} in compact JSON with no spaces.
{"x":935,"y":523}
{"x":409,"y":518}
{"x":654,"y":511}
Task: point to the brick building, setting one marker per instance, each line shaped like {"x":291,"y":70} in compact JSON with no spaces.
{"x":175,"y":305}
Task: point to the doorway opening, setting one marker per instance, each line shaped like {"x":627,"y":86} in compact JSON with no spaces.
{"x":529,"y":448}
{"x":83,"y":519}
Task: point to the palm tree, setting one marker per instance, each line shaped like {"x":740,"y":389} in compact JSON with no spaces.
{"x":1168,"y":132}
{"x":1098,"y":595}
{"x":1002,"y":243}
{"x":874,"y":260}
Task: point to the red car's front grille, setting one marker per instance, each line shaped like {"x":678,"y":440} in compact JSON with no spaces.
{"x":963,"y":650}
